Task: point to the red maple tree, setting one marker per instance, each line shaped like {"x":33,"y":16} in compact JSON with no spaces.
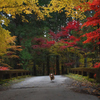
{"x":93,"y":21}
{"x":65,"y":36}
{"x":41,"y":43}
{"x":93,"y":36}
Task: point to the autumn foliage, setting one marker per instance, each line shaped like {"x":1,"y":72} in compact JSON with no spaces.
{"x":41,"y":43}
{"x":97,"y":65}
{"x":93,"y":36}
{"x":71,"y":8}
{"x":64,"y":35}
{"x":4,"y":68}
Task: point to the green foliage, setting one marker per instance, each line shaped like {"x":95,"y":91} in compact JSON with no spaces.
{"x":25,"y":55}
{"x":43,"y":2}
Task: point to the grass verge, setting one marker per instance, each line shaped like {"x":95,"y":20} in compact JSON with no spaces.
{"x":8,"y":82}
{"x":81,"y":78}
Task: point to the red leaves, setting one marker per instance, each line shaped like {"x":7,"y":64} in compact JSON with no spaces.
{"x":41,"y":43}
{"x":63,"y":47}
{"x":4,"y":68}
{"x":92,"y":36}
{"x":72,"y":38}
{"x":95,"y":5}
{"x":73,"y":25}
{"x":97,"y":65}
{"x":51,"y":42}
{"x":63,"y":36}
{"x":69,"y":64}
{"x":93,"y":21}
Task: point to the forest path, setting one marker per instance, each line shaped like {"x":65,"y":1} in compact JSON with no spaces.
{"x":42,"y":88}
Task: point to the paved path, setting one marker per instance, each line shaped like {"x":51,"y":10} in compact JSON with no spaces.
{"x":41,"y":88}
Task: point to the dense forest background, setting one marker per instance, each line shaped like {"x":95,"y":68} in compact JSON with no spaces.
{"x":46,"y":36}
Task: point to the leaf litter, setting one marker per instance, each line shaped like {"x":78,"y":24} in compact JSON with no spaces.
{"x":83,"y":85}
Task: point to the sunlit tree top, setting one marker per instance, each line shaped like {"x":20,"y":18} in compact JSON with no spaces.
{"x":72,"y":8}
{"x":14,"y":7}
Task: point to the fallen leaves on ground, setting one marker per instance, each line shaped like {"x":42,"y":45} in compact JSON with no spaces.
{"x":86,"y":87}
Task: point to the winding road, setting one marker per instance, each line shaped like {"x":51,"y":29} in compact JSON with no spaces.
{"x":42,"y":88}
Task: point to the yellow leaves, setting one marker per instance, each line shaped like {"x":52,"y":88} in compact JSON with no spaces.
{"x":23,"y":19}
{"x":16,"y":6}
{"x":27,"y":12}
{"x":14,"y":48}
{"x":13,"y":56}
{"x":3,"y":64}
{"x":5,"y":40}
{"x":56,"y":48}
{"x":68,"y":6}
{"x":4,"y":20}
{"x":10,"y":39}
{"x":60,"y":11}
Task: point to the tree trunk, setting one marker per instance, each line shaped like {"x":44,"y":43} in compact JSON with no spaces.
{"x":34,"y":70}
{"x":48,"y":65}
{"x":57,"y":65}
{"x":62,"y":69}
{"x":43,"y":69}
{"x":85,"y":62}
{"x":75,"y":60}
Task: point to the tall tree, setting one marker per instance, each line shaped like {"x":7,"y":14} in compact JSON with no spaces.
{"x":94,"y":21}
{"x":13,"y":8}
